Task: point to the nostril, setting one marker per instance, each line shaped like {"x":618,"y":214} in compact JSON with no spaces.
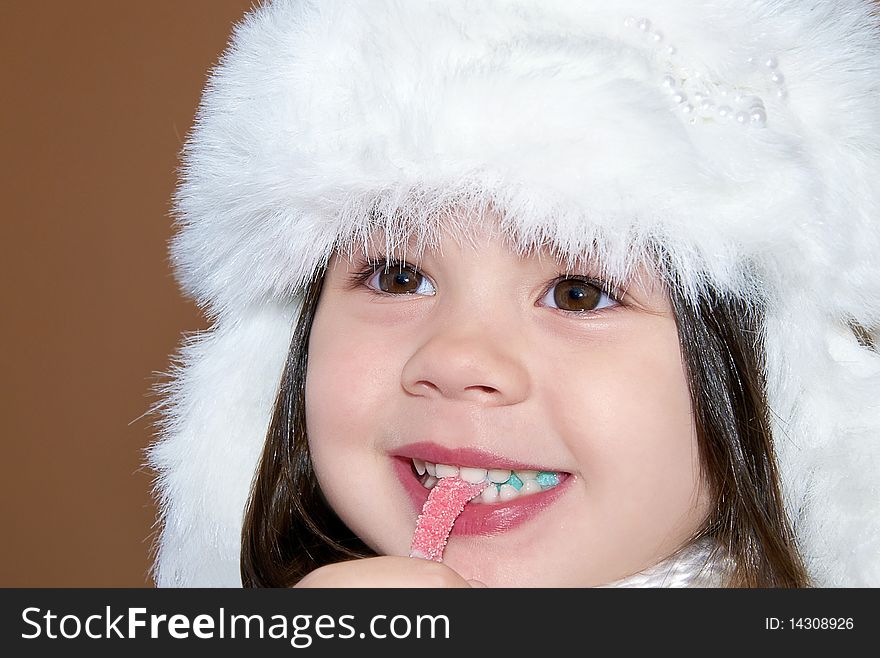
{"x":481,"y":389}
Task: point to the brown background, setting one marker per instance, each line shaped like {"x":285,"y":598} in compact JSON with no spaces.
{"x":97,"y":96}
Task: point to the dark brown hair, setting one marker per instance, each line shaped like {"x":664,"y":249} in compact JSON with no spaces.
{"x":290,"y":530}
{"x":722,"y":348}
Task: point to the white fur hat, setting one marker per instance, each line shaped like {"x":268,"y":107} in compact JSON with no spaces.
{"x":742,"y":135}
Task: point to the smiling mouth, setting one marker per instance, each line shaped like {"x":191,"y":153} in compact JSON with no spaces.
{"x":503,"y":485}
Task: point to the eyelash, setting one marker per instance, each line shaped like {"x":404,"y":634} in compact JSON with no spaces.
{"x":368,"y":267}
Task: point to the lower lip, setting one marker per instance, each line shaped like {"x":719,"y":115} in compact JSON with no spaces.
{"x":479,"y":518}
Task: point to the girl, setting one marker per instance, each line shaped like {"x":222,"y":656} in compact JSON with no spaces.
{"x":569,"y":248}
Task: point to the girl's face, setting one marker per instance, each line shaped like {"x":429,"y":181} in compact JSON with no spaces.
{"x":483,"y":359}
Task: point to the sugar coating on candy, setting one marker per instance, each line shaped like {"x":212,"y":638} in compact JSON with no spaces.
{"x":445,"y":502}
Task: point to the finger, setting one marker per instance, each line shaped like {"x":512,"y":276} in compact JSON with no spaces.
{"x":384,"y":571}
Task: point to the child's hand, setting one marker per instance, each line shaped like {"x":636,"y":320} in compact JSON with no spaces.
{"x":387,"y":571}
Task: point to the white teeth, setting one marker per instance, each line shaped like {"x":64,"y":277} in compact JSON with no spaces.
{"x":498,"y":475}
{"x":489,"y":495}
{"x":507,"y":492}
{"x":530,"y":486}
{"x":446,"y":471}
{"x":502,"y":483}
{"x":472,"y":475}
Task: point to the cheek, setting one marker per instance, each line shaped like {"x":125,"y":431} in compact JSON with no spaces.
{"x":628,"y":421}
{"x":347,"y":387}
{"x":351,"y":370}
{"x":346,"y":383}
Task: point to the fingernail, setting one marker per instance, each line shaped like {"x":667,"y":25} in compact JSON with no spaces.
{"x":476,"y":583}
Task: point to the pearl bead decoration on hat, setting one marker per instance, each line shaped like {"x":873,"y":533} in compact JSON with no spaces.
{"x":711,"y":100}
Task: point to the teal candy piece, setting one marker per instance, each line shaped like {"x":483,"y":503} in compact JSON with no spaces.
{"x":547,"y":479}
{"x":514,"y":481}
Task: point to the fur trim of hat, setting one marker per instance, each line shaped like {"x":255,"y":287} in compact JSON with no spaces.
{"x":741,"y":136}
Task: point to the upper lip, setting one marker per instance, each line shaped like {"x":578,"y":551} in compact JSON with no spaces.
{"x":466,"y":456}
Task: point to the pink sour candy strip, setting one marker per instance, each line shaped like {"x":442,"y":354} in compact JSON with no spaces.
{"x":445,"y":502}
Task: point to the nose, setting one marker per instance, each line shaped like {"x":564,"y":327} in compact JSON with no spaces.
{"x":468,"y":363}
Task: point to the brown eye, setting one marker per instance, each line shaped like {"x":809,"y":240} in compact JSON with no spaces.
{"x":400,"y":280}
{"x":576,"y":295}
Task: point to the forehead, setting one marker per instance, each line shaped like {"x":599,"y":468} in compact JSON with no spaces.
{"x":463,"y":232}
{"x":460,"y":237}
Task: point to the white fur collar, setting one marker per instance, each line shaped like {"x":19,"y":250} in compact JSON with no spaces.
{"x":690,"y":567}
